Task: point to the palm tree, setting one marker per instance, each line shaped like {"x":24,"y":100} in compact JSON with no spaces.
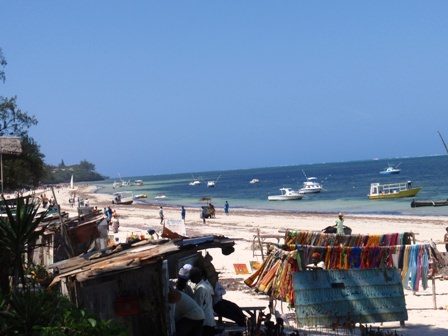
{"x":18,"y":237}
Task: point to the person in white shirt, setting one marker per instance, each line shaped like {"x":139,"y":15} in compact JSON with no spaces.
{"x":316,"y":262}
{"x":188,"y":316}
{"x":203,"y":295}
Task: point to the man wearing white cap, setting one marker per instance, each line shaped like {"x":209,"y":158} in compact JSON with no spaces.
{"x":183,"y":276}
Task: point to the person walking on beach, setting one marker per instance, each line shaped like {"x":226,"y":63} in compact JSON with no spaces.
{"x":445,"y":239}
{"x":115,"y":223}
{"x":340,"y":224}
{"x":182,"y":213}
{"x":203,"y":211}
{"x":161,"y":215}
{"x":226,"y":208}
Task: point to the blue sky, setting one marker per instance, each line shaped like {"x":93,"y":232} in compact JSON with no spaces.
{"x":154,"y":87}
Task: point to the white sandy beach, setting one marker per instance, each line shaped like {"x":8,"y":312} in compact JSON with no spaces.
{"x":242,"y":225}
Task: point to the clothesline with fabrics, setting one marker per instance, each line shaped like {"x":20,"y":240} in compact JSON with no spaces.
{"x":274,"y":277}
{"x":330,"y":239}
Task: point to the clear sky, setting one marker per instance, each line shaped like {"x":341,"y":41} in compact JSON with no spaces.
{"x":153,"y":87}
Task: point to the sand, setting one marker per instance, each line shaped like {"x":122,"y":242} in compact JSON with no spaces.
{"x":242,"y":226}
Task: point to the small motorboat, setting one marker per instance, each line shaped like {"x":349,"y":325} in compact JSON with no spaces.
{"x":391,"y":170}
{"x":195,"y":181}
{"x":286,"y":194}
{"x":310,"y":186}
{"x":123,"y":197}
{"x":212,"y":184}
{"x":140,"y":196}
{"x":254,"y":181}
{"x":138,"y":183}
{"x":160,"y":196}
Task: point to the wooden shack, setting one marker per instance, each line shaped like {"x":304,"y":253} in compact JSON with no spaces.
{"x":130,"y":283}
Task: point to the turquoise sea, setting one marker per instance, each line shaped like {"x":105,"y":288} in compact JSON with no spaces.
{"x":346,"y":185}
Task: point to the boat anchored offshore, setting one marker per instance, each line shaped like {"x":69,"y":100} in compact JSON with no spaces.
{"x":390,"y":170}
{"x":310,"y":186}
{"x":212,"y":184}
{"x":254,"y":181}
{"x":287,"y":194}
{"x":392,"y":190}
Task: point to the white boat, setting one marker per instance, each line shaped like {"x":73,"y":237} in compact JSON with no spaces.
{"x":390,"y":170}
{"x":123,"y":197}
{"x":138,"y":182}
{"x":212,"y":184}
{"x":195,"y":182}
{"x":254,"y":181}
{"x":160,"y":196}
{"x":310,"y":186}
{"x":286,"y":195}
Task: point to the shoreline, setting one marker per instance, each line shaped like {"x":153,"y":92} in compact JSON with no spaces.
{"x":303,"y":220}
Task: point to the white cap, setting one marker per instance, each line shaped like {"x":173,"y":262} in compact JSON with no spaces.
{"x":184,"y":272}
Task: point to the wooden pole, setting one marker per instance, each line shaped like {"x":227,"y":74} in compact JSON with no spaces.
{"x":434,"y":296}
{"x":260,"y":243}
{"x":67,"y":244}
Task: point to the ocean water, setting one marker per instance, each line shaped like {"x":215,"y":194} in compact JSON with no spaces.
{"x":346,"y":185}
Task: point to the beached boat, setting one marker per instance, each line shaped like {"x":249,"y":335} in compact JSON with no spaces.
{"x":123,"y":197}
{"x":392,"y":190}
{"x":416,"y":204}
{"x":286,"y":194}
{"x":310,"y":186}
{"x":391,"y":170}
{"x":254,"y":181}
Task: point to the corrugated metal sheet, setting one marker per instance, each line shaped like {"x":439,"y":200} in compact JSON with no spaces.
{"x":325,"y":297}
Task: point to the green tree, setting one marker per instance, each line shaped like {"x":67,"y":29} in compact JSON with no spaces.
{"x":87,"y":166}
{"x":2,"y":66}
{"x":14,"y":121}
{"x":28,"y":169}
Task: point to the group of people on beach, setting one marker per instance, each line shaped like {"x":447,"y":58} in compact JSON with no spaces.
{"x":112,"y":219}
{"x":204,"y":214}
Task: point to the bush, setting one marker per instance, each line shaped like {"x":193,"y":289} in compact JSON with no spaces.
{"x":39,"y":313}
